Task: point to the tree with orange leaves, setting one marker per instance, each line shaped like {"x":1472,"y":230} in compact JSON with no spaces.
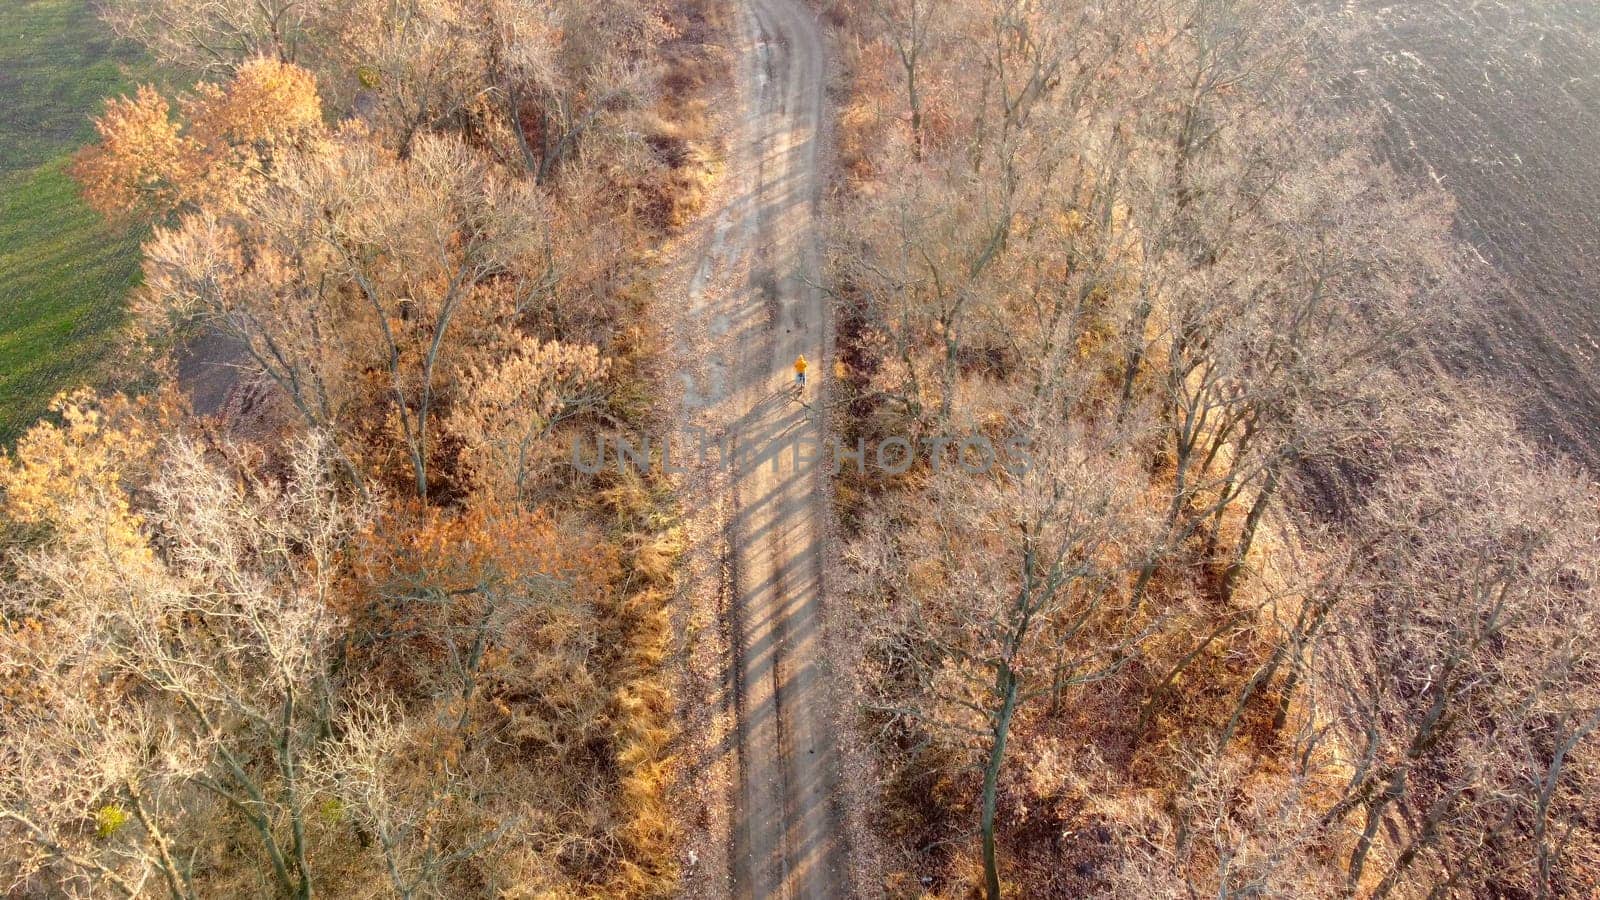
{"x":362,"y":284}
{"x":509,"y":410}
{"x":449,"y":584}
{"x":489,"y":626}
{"x":150,"y":160}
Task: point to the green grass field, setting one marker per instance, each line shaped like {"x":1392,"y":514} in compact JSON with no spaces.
{"x":64,"y":272}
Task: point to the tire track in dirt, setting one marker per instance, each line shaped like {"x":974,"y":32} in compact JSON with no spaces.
{"x":753,"y":306}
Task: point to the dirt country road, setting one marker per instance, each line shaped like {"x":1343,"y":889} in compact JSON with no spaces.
{"x":753,"y":306}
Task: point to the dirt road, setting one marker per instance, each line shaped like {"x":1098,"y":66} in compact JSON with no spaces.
{"x":754,"y":305}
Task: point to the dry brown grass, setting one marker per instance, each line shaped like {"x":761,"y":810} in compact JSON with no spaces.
{"x":698,"y":64}
{"x":642,"y":708}
{"x":679,"y":132}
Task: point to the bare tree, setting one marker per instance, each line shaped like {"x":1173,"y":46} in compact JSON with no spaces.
{"x":211,"y":640}
{"x":1463,"y":674}
{"x":1230,"y":834}
{"x":996,"y":640}
{"x":382,"y":768}
{"x":912,"y":27}
{"x":214,"y":37}
{"x":350,"y":262}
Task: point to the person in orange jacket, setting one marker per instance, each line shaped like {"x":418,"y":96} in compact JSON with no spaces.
{"x":800,"y":365}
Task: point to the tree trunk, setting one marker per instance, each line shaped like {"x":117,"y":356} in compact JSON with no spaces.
{"x":1134,"y":358}
{"x":1006,"y":687}
{"x":177,"y":882}
{"x":1393,"y":791}
{"x":1247,"y":537}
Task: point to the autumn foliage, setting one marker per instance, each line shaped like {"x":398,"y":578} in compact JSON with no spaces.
{"x":154,"y":160}
{"x":1269,"y":614}
{"x":358,"y":634}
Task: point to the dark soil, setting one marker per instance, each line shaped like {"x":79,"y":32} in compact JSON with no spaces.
{"x":1499,"y":103}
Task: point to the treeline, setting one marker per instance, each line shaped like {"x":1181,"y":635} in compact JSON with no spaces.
{"x":361,"y":635}
{"x":1267,"y":616}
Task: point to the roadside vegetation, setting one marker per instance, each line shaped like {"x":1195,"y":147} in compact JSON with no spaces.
{"x":1265,"y":616}
{"x":1262,"y":615}
{"x":359,"y":634}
